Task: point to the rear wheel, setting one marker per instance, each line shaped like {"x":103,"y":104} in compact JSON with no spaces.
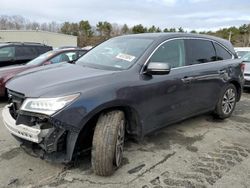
{"x":108,"y":141}
{"x":227,"y":102}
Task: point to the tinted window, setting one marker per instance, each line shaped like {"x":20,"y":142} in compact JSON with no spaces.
{"x":199,"y":51}
{"x":43,"y":49}
{"x":221,"y":52}
{"x":25,"y":51}
{"x":7,"y":53}
{"x":172,"y":52}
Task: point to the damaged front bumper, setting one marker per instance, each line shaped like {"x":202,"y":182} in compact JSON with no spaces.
{"x":34,"y":134}
{"x":56,"y":143}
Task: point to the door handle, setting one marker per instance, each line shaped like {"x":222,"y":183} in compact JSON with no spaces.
{"x":222,"y":71}
{"x":187,"y":79}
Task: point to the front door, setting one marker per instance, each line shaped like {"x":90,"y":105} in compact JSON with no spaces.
{"x":168,"y":98}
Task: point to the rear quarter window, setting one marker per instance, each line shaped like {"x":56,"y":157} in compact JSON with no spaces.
{"x":199,"y":51}
{"x":221,"y":53}
{"x":43,"y":49}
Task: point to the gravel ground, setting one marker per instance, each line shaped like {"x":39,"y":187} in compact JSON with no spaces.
{"x":199,"y":152}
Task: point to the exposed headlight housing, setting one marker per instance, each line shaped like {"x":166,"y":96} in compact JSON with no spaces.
{"x":47,"y":106}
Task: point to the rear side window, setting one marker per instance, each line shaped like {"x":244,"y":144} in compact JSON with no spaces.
{"x":172,"y":52}
{"x":199,"y":51}
{"x":221,"y":52}
{"x":25,"y":51}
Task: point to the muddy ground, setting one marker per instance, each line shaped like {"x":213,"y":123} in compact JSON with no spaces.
{"x":199,"y":152}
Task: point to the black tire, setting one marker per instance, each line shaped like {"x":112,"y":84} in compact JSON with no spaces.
{"x":108,"y":136}
{"x":226,"y":101}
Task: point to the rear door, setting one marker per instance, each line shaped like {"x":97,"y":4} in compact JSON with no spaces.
{"x":206,"y":74}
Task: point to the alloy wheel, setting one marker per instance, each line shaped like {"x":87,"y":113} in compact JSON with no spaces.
{"x":228,"y":101}
{"x":120,"y":144}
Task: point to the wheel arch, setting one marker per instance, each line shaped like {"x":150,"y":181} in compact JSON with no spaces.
{"x":238,"y":88}
{"x":133,"y":126}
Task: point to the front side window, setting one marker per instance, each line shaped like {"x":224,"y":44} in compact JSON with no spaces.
{"x":116,"y":54}
{"x":172,"y":52}
{"x":222,"y":53}
{"x":199,"y":51}
{"x":7,"y":53}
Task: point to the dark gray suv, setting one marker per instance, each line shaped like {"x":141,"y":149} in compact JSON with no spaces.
{"x":12,"y":53}
{"x":127,"y":86}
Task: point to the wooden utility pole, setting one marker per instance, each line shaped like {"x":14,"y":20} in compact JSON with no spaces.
{"x":230,"y":36}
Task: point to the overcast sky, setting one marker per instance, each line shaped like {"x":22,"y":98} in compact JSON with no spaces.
{"x":189,"y":14}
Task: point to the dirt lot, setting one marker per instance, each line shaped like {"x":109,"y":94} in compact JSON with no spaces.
{"x":199,"y":152}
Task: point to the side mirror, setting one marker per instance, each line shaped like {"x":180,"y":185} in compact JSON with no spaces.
{"x":47,"y":63}
{"x":158,"y":68}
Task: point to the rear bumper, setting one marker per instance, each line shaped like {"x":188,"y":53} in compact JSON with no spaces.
{"x":33,"y":134}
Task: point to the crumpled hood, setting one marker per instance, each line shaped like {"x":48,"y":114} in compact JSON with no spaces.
{"x":55,"y":80}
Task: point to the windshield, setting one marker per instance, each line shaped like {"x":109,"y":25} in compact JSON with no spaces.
{"x":40,"y":59}
{"x":116,"y":53}
{"x":246,"y":57}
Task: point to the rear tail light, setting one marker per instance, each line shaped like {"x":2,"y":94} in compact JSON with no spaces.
{"x":242,"y":67}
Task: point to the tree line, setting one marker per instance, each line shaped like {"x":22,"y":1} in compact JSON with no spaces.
{"x":93,"y":34}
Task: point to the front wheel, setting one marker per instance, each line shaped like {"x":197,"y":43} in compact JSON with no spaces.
{"x":227,"y":102}
{"x":108,"y":141}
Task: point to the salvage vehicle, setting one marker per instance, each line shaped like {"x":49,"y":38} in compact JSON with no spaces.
{"x":69,"y":55}
{"x":246,"y":61}
{"x":127,"y":86}
{"x":12,"y":53}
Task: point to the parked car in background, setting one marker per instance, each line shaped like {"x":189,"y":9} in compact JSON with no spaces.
{"x":246,"y":61}
{"x":12,"y":53}
{"x":69,"y":55}
{"x":241,"y":51}
{"x":128,"y":85}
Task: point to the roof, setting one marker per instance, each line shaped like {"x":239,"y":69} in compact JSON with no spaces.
{"x":166,"y":36}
